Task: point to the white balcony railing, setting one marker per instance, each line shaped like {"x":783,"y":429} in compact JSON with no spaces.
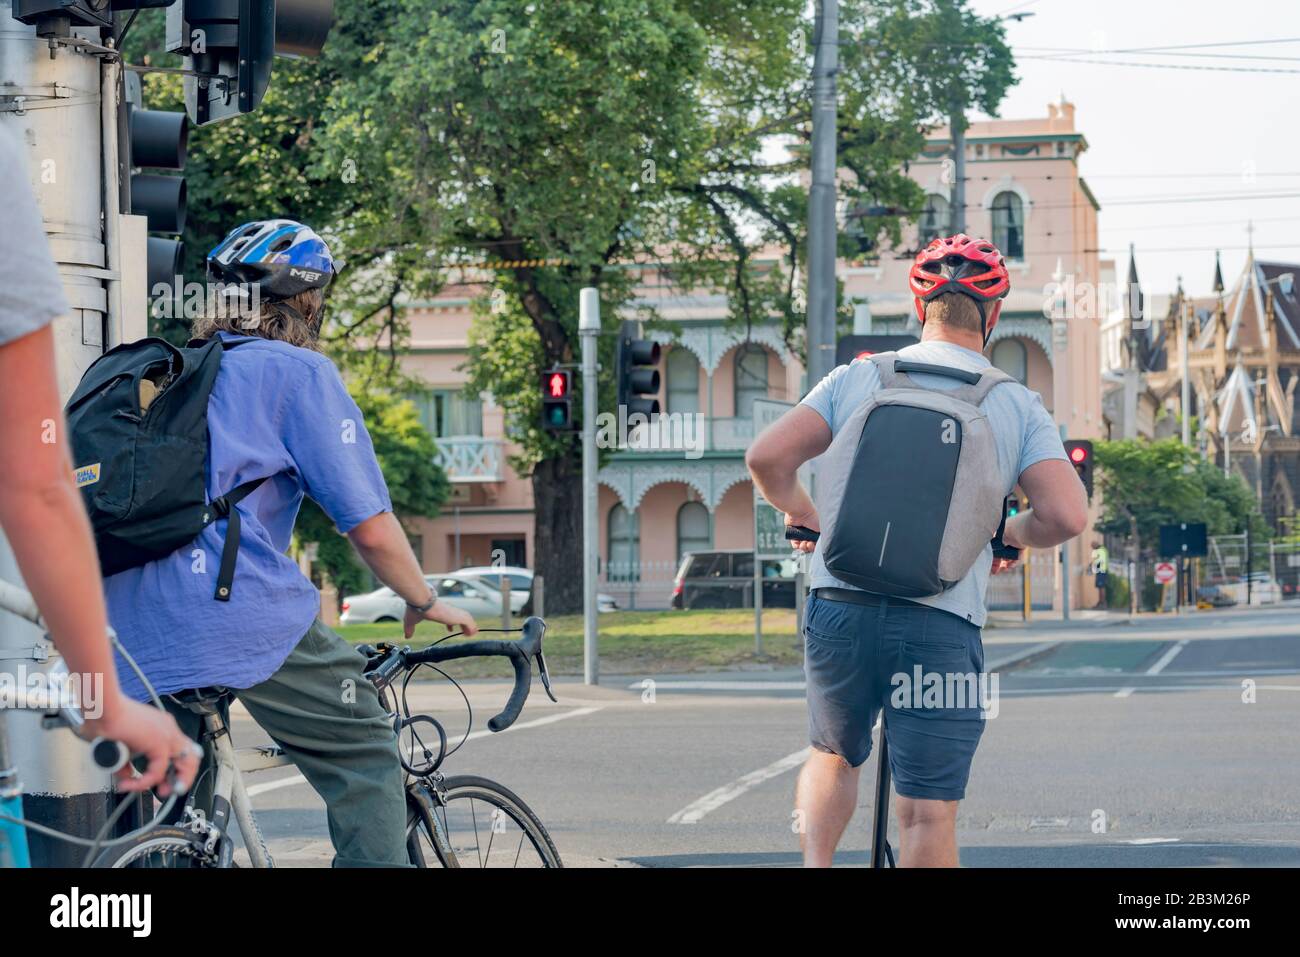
{"x":684,"y":432}
{"x":470,"y":458}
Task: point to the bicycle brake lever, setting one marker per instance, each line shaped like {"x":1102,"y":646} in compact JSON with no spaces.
{"x":546,"y":677}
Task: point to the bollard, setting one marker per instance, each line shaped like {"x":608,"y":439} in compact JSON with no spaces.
{"x":505,"y":601}
{"x":539,"y":597}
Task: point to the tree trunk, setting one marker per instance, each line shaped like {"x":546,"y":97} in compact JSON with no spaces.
{"x":557,"y":535}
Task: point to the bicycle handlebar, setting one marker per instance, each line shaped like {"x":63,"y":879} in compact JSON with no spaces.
{"x":521,"y":654}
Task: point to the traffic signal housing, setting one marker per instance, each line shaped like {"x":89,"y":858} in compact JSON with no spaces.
{"x":54,"y":17}
{"x":849,"y":348}
{"x":638,"y":375}
{"x":230,"y":44}
{"x":1079,"y":452}
{"x":557,"y":400}
{"x":156,"y":139}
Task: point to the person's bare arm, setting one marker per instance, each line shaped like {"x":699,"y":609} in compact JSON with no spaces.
{"x":43,"y":518}
{"x":1059,"y":506}
{"x":383,"y":546}
{"x":774,"y":460}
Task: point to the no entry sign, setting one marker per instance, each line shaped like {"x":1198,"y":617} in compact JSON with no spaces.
{"x":1165,"y":572}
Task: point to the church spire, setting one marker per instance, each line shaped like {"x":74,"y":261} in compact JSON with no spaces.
{"x":1218,"y":273}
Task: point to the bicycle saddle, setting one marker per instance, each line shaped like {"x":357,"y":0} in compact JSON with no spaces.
{"x":202,"y":700}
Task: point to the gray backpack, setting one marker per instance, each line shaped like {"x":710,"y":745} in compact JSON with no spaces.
{"x":910,"y":492}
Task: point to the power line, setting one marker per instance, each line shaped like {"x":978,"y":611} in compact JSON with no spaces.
{"x":1164,"y":66}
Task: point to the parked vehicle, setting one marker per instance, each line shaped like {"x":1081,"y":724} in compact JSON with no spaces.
{"x":521,"y":582}
{"x":725,"y":579}
{"x":477,"y":597}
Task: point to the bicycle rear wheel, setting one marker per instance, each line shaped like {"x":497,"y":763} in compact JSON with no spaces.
{"x":470,"y":821}
{"x":161,"y":847}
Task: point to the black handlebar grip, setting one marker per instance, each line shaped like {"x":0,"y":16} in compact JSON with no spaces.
{"x":109,"y":754}
{"x":801,"y":533}
{"x":523,"y":666}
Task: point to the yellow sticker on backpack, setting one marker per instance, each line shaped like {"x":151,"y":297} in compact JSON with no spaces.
{"x":86,"y":475}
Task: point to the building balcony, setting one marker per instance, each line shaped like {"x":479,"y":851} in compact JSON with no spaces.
{"x":691,"y":433}
{"x":471,"y":458}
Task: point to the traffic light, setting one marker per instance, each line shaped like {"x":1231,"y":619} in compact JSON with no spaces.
{"x":638,"y":377}
{"x":557,"y":400}
{"x":849,"y":348}
{"x":1012,"y":506}
{"x":156,"y":139}
{"x":1080,"y":454}
{"x":230,"y":43}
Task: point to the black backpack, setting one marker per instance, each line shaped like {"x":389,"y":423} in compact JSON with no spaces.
{"x":139,"y":427}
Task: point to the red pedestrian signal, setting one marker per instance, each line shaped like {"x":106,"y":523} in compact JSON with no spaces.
{"x":557,"y":402}
{"x":1078,"y":454}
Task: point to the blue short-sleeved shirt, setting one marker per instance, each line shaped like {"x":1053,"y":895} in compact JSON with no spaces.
{"x":1024,"y":432}
{"x":276,"y":410}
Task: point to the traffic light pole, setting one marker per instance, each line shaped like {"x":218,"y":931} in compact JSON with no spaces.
{"x":51,"y":106}
{"x":588,"y":331}
{"x":821,"y":197}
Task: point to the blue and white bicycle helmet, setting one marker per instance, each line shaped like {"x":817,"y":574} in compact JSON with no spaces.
{"x":283,"y":256}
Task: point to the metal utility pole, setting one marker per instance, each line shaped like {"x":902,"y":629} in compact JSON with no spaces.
{"x":822,"y":195}
{"x":957,"y":127}
{"x":1186,"y":394}
{"x":52,"y":103}
{"x":588,"y":331}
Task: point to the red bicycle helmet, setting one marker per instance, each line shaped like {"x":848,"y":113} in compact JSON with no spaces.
{"x":960,"y":264}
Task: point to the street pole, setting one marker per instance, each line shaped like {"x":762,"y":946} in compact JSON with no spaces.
{"x":588,"y":331}
{"x":1065,"y":581}
{"x":1186,"y":396}
{"x":821,"y":196}
{"x":957,"y":127}
{"x":51,"y":105}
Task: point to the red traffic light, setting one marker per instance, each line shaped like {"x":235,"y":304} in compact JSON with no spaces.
{"x":1078,"y":454}
{"x":556,"y":384}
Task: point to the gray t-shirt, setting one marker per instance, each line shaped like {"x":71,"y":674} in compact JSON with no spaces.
{"x":1024,"y":432}
{"x":31,"y":293}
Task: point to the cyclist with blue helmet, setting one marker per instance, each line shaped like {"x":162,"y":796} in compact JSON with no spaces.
{"x":279,"y":411}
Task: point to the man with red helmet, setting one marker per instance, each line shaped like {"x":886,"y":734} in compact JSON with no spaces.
{"x":856,"y":643}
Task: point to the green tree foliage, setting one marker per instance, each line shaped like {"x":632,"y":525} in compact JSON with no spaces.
{"x":1147,"y":484}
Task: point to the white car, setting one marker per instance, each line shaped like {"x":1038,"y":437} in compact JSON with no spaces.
{"x":521,"y":583}
{"x":477,"y":597}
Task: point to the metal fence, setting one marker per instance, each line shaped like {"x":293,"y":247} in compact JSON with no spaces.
{"x":644,"y":585}
{"x":1007,"y":591}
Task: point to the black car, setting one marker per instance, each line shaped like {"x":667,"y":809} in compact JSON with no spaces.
{"x":725,"y":579}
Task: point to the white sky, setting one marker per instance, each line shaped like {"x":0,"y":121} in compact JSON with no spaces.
{"x":1160,"y":132}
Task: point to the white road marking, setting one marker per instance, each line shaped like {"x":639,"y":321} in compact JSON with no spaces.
{"x":257,"y":789}
{"x":693,"y":812}
{"x":1124,"y":692}
{"x":720,"y":685}
{"x":1167,"y":657}
{"x":1153,"y":840}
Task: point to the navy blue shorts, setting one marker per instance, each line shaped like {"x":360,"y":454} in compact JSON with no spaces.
{"x":921,"y":664}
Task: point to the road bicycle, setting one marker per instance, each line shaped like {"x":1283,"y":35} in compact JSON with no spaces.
{"x":457,"y":821}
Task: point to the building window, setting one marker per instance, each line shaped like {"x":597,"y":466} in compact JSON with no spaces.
{"x":751,"y":378}
{"x":624,"y":545}
{"x":683,"y":381}
{"x":693,"y":532}
{"x":1009,"y":225}
{"x":449,"y":412}
{"x":1010,"y":356}
{"x":936,"y":218}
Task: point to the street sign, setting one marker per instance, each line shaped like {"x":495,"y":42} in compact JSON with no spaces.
{"x":769,"y":531}
{"x":1185,"y":538}
{"x":1165,"y":572}
{"x":767,"y":411}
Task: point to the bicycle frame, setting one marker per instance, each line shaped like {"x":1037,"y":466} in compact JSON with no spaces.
{"x":229,"y":794}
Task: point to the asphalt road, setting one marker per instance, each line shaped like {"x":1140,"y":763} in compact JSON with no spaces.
{"x":1120,"y":745}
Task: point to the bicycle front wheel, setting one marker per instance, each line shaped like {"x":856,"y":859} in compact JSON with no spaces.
{"x":161,"y":847}
{"x":470,"y":821}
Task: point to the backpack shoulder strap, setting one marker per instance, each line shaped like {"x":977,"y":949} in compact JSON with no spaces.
{"x":224,"y":507}
{"x":889,"y":379}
